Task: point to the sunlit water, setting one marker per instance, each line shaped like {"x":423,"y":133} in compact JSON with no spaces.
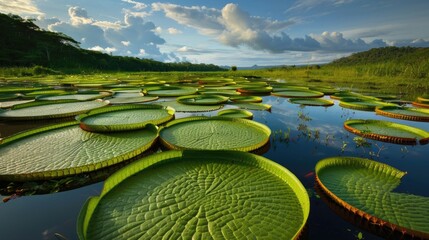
{"x":301,"y":136}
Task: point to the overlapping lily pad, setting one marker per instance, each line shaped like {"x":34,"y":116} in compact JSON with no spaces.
{"x":65,"y":149}
{"x":202,"y":99}
{"x":180,"y":107}
{"x":197,"y":195}
{"x":214,"y":133}
{"x":364,"y":189}
{"x":387,"y":131}
{"x":51,"y":110}
{"x":235,"y":113}
{"x":312,"y":101}
{"x":406,"y":113}
{"x":124,"y":117}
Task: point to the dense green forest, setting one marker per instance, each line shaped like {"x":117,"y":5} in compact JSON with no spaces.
{"x":403,"y":55}
{"x":24,"y":44}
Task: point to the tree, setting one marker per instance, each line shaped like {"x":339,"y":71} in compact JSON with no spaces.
{"x":233,"y":68}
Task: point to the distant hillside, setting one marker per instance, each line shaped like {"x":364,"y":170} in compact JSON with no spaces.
{"x":403,"y":55}
{"x":24,"y":44}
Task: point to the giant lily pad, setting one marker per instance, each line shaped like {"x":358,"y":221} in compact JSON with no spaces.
{"x":363,"y":188}
{"x":170,"y":91}
{"x":197,"y":195}
{"x":253,"y":106}
{"x":387,"y":131}
{"x":214,"y":134}
{"x":124,"y":117}
{"x":202,"y":99}
{"x":53,"y":110}
{"x":298,"y":94}
{"x":363,"y":104}
{"x":79,"y":97}
{"x":180,"y":107}
{"x":246,"y":99}
{"x":413,"y":114}
{"x":235,"y":113}
{"x":65,"y":149}
{"x":126,"y":100}
{"x":312,"y":101}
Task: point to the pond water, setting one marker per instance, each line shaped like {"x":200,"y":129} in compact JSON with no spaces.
{"x":301,"y":136}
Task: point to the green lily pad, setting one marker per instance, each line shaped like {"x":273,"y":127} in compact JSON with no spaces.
{"x":255,"y":89}
{"x":253,"y":106}
{"x":298,"y":94}
{"x":312,"y":101}
{"x":202,"y":99}
{"x":65,"y":149}
{"x":9,"y":96}
{"x":170,"y":91}
{"x":124,"y":117}
{"x":52,"y":110}
{"x":364,"y":188}
{"x":214,"y":133}
{"x":126,"y":100}
{"x":197,"y":195}
{"x":413,"y":114}
{"x":387,"y":131}
{"x":220,"y":92}
{"x":363,"y":104}
{"x":9,"y":104}
{"x":246,"y":99}
{"x":79,"y":97}
{"x":180,"y":107}
{"x":235,"y":113}
{"x":352,"y":95}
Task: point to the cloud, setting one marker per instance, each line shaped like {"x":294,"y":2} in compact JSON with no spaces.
{"x":305,"y":5}
{"x":131,"y":36}
{"x":137,"y":5}
{"x":234,"y":27}
{"x":19,"y":7}
{"x":105,"y":50}
{"x":173,"y":31}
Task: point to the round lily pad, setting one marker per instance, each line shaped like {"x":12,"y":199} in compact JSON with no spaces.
{"x":235,"y":113}
{"x":246,"y":99}
{"x":362,"y":189}
{"x":202,"y":99}
{"x":255,"y":89}
{"x":197,"y":195}
{"x":253,"y":106}
{"x":180,"y":107}
{"x":298,"y":94}
{"x":126,"y":100}
{"x":65,"y":149}
{"x":413,"y":114}
{"x":124,"y":117}
{"x":312,"y":101}
{"x":53,"y":110}
{"x":219,"y":92}
{"x":387,"y":131}
{"x":79,"y":97}
{"x":170,"y":91}
{"x":9,"y":104}
{"x":363,"y":104}
{"x":214,"y":133}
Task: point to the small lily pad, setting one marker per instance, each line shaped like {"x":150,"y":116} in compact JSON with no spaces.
{"x":387,"y":131}
{"x":202,"y":99}
{"x":312,"y":101}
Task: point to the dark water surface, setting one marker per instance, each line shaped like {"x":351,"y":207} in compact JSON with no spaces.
{"x":301,"y":136}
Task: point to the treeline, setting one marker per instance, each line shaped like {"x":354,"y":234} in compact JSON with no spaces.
{"x":24,"y":44}
{"x":386,"y":54}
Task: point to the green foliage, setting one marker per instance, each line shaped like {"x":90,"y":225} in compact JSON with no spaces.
{"x":233,"y":68}
{"x":26,"y":45}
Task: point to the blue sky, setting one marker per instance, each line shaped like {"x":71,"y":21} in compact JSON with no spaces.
{"x":242,"y":33}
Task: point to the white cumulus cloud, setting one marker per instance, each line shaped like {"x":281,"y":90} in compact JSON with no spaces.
{"x":173,"y":31}
{"x":19,"y":7}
